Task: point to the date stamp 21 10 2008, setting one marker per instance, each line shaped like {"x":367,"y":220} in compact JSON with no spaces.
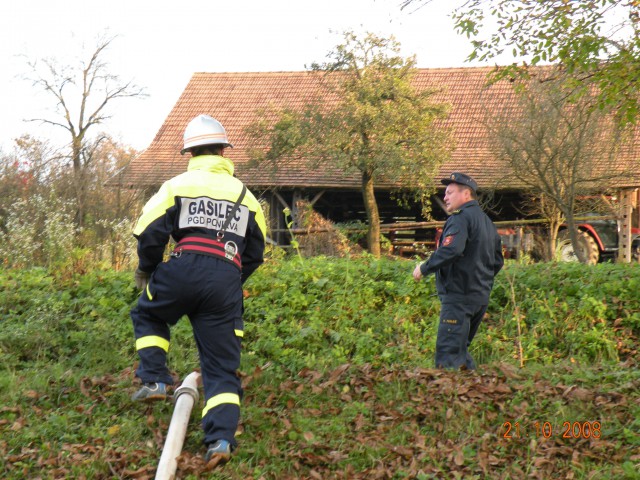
{"x":539,"y":429}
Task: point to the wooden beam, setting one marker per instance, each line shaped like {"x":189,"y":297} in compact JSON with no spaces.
{"x":317,"y":197}
{"x":425,"y":225}
{"x":624,"y":237}
{"x":297,"y":196}
{"x":441,"y":204}
{"x":281,"y":200}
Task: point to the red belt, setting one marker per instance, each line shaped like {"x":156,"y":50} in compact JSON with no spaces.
{"x":207,"y":246}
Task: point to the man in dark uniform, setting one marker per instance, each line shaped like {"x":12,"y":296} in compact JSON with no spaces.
{"x":468,"y":257}
{"x":220,"y":232}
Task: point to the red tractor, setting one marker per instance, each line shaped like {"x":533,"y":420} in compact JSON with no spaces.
{"x":599,"y":240}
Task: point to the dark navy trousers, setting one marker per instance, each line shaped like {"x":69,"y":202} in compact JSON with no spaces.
{"x":459,"y":323}
{"x":208,"y":290}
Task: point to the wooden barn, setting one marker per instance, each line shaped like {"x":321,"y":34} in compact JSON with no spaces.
{"x":236,"y":98}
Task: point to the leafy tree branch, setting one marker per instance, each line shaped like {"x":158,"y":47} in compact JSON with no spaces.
{"x":367,"y":119}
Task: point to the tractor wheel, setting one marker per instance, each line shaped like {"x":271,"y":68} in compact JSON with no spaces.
{"x":566,"y":253}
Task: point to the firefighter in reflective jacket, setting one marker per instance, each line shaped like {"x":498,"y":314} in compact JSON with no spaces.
{"x":220,"y":230}
{"x":468,"y":257}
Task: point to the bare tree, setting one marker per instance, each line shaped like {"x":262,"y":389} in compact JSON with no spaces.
{"x":37,"y":206}
{"x":111,"y":204}
{"x":82,"y":95}
{"x":539,"y":205}
{"x":559,"y":148}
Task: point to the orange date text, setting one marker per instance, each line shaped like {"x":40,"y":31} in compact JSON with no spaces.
{"x":540,"y":429}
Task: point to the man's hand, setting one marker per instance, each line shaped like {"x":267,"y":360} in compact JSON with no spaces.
{"x":141,"y":278}
{"x":417,"y":274}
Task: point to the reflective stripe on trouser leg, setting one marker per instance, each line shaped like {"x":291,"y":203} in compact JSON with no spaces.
{"x":152,"y":345}
{"x":223,"y":390}
{"x":152,"y":341}
{"x":217,"y":329}
{"x":219,"y":399}
{"x":161,"y":305}
{"x":152,"y":352}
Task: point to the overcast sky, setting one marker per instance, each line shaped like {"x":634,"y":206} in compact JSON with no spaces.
{"x":160,"y":44}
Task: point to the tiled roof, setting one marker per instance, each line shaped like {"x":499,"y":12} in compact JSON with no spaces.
{"x":234,"y":99}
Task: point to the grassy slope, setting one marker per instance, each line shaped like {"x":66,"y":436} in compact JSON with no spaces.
{"x":338,"y":378}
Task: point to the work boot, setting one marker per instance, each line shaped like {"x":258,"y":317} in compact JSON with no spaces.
{"x":150,"y":392}
{"x":220,"y":451}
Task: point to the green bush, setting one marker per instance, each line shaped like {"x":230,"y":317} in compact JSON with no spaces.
{"x":336,"y":373}
{"x":83,"y":321}
{"x":324,"y":312}
{"x":570,"y":310}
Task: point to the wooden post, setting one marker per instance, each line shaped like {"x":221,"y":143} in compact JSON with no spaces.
{"x":275,"y":211}
{"x":636,"y":203}
{"x":624,"y":223}
{"x":519,"y":245}
{"x":295,"y":214}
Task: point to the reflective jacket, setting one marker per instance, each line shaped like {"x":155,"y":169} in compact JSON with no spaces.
{"x":468,"y":257}
{"x":197,"y":202}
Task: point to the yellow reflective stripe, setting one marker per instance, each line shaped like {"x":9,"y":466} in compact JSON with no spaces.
{"x":260,"y":220}
{"x":155,"y":208}
{"x":219,"y":399}
{"x":239,"y":333}
{"x":152,"y":341}
{"x":149,"y":293}
{"x":215,"y":182}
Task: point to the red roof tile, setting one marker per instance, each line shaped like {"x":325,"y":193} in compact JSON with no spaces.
{"x":234,"y":99}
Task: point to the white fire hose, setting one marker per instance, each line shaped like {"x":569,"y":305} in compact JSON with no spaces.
{"x":178,"y":426}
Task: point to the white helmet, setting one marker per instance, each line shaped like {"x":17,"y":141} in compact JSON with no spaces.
{"x":204,"y":130}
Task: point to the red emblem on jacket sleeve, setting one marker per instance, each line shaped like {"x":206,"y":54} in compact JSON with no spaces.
{"x":448,"y":240}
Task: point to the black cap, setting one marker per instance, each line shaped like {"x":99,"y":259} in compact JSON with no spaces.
{"x":461,"y":179}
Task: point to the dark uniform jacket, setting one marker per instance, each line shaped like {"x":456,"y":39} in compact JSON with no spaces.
{"x":196,"y":202}
{"x":468,"y":257}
